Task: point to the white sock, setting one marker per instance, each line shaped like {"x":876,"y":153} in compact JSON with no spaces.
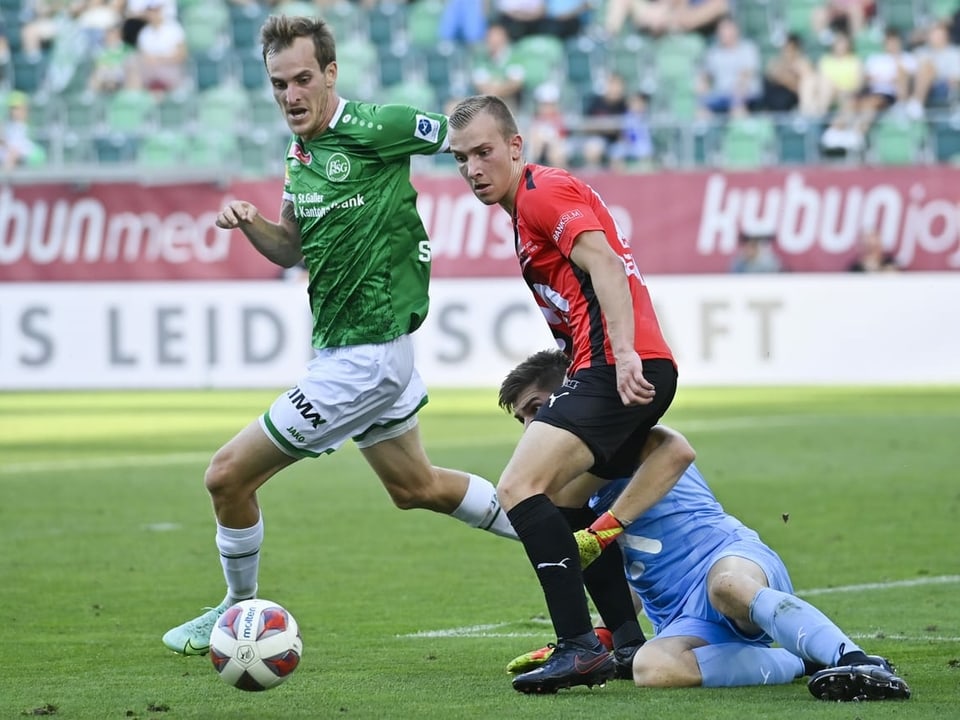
{"x":480,"y":508}
{"x":240,"y":557}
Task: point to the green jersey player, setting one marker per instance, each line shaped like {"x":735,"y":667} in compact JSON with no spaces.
{"x":349,"y":213}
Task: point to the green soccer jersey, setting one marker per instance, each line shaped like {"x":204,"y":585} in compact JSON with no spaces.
{"x":364,"y":244}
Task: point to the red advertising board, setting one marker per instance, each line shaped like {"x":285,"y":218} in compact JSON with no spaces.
{"x":679,"y":223}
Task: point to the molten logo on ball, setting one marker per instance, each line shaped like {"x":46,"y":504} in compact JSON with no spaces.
{"x":255,"y":645}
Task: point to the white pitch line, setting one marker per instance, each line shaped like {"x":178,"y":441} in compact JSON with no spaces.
{"x":484,"y":631}
{"x":916,"y":582}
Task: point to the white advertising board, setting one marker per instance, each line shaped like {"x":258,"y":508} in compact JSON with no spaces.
{"x":724,"y":330}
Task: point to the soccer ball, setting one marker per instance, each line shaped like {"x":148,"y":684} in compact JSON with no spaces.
{"x":255,"y":645}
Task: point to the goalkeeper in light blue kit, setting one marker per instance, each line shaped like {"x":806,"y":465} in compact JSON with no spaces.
{"x":717,"y":596}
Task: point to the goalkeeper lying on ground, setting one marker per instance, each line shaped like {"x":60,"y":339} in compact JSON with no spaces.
{"x":717,"y":596}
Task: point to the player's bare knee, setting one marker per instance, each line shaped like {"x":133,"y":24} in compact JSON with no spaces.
{"x":727,"y":595}
{"x":218,"y":478}
{"x":420,"y":493}
{"x":654,"y":667}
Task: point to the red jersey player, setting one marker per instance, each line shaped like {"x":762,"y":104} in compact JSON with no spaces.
{"x":621,"y":381}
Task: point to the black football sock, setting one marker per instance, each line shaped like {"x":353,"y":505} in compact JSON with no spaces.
{"x":607,"y":585}
{"x":855,"y":657}
{"x":553,"y":553}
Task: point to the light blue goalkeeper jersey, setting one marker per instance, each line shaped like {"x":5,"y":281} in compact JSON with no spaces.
{"x":669,"y":549}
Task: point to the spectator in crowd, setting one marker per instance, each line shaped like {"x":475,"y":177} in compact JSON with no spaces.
{"x":96,"y":17}
{"x":111,"y":63}
{"x":4,"y":52}
{"x":837,"y":80}
{"x":938,"y":68}
{"x":872,"y":257}
{"x":547,"y":134}
{"x":843,"y":16}
{"x":953,"y":25}
{"x":635,"y":144}
{"x":731,"y":79}
{"x":521,"y":17}
{"x":42,"y":20}
{"x":888,"y":79}
{"x":788,"y":75}
{"x":463,"y":21}
{"x":660,"y":17}
{"x":603,"y":121}
{"x":135,"y":17}
{"x":161,"y":55}
{"x":16,"y":147}
{"x":495,"y":70}
{"x":755,"y":254}
{"x":566,"y":19}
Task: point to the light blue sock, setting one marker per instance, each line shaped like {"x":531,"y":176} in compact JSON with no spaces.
{"x":799,"y":626}
{"x":735,"y":664}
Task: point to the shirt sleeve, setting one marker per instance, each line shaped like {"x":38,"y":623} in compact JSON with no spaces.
{"x":408,"y":131}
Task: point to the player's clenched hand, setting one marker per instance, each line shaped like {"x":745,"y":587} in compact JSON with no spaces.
{"x":237,"y":213}
{"x":633,"y":387}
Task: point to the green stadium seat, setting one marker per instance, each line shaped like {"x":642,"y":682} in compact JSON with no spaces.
{"x":212,"y":147}
{"x":942,"y":9}
{"x":798,"y":16}
{"x":245,"y":22}
{"x":211,"y":67}
{"x":945,"y":135}
{"x":206,"y":25}
{"x":165,"y":149}
{"x":176,"y":110}
{"x":357,"y":68}
{"x":586,"y":61}
{"x":798,"y":142}
{"x":630,"y":57}
{"x":386,"y":23}
{"x":896,"y":141}
{"x":294,"y":7}
{"x":747,"y":143}
{"x":542,"y":58}
{"x":443,"y":69}
{"x":392,"y":66}
{"x":28,"y":73}
{"x":252,"y":72}
{"x":224,"y":106}
{"x":417,"y":93}
{"x":115,"y":148}
{"x":901,"y":14}
{"x":129,"y":111}
{"x":423,"y":23}
{"x":83,"y":112}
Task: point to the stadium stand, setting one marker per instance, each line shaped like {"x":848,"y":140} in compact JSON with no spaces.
{"x":389,"y":51}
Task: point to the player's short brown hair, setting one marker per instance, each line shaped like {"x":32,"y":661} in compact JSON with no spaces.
{"x":279,"y":32}
{"x":545,"y":369}
{"x":467,"y":109}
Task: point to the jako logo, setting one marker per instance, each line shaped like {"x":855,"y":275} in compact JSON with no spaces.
{"x":338,"y":167}
{"x":296,"y":434}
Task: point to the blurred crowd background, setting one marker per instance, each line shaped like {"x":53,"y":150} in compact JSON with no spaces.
{"x":622,"y":85}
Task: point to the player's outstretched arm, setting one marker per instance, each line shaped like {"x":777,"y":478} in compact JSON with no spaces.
{"x":664,"y":458}
{"x":278,"y":242}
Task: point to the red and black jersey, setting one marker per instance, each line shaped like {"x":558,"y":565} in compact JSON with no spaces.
{"x":551,"y":208}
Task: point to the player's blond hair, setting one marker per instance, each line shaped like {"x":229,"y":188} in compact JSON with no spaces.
{"x":469,"y":108}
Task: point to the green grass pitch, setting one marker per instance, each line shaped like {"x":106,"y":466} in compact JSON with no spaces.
{"x":106,"y":540}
